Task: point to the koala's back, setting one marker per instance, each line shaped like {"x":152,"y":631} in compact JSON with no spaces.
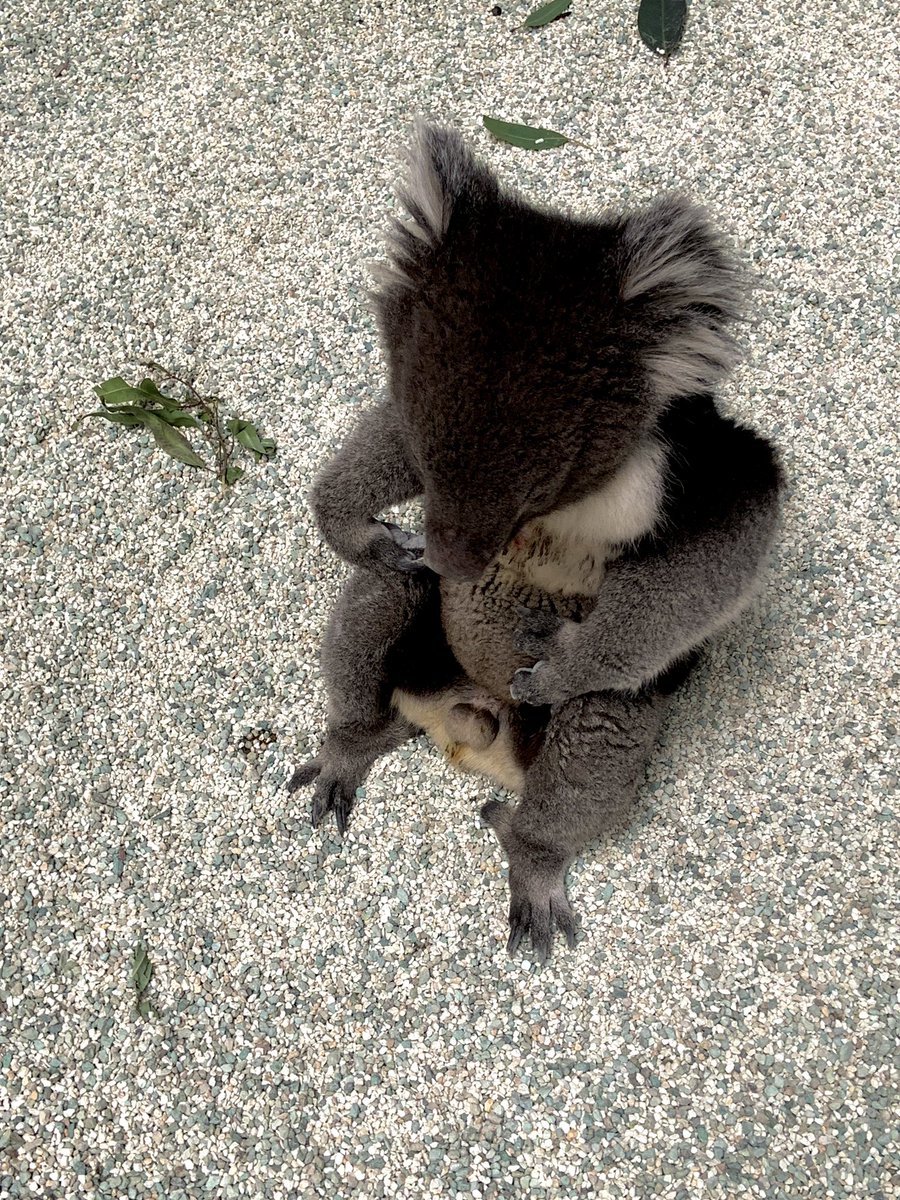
{"x":556,"y":564}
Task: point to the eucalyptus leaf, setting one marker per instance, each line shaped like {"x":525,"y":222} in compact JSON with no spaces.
{"x":117,"y":417}
{"x":177,"y":416}
{"x":116,"y":391}
{"x":141,"y":969}
{"x":547,"y":13}
{"x":249,"y":437}
{"x":525,"y":136}
{"x":661,"y":25}
{"x":170,"y":440}
{"x":233,"y":474}
{"x":166,"y":403}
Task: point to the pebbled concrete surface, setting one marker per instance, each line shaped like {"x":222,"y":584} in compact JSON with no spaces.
{"x":202,"y":184}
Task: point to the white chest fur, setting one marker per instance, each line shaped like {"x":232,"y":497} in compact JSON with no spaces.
{"x":566,"y":552}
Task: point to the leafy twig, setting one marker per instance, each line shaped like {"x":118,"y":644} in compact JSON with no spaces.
{"x":149,"y":407}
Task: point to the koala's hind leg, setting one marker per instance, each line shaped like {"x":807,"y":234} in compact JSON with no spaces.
{"x":379,"y":622}
{"x":581,"y":784}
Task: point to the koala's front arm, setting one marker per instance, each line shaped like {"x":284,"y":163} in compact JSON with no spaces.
{"x":370,"y":472}
{"x":666,"y":598}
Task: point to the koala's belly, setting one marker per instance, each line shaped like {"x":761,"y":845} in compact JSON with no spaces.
{"x":480,"y":622}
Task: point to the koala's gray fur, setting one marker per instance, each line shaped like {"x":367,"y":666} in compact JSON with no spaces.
{"x":591,"y":519}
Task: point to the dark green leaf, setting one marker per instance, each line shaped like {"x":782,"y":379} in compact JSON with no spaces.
{"x":117,"y":418}
{"x":170,"y":440}
{"x":249,"y":437}
{"x":234,"y":425}
{"x":233,"y":474}
{"x":167,"y":403}
{"x":661,"y":24}
{"x":526,"y":136}
{"x":177,"y":416}
{"x":116,"y":391}
{"x":144,"y":1008}
{"x":547,"y":13}
{"x":269,"y":447}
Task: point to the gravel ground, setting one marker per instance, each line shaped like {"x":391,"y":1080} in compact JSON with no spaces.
{"x":203,"y":184}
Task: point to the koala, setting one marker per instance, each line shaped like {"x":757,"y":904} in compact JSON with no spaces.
{"x":590,"y":518}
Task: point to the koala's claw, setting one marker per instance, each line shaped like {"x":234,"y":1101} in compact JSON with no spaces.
{"x":538,"y":904}
{"x":332,"y":794}
{"x":398,"y":549}
{"x":540,"y":920}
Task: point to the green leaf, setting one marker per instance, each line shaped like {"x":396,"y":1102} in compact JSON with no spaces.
{"x":249,"y":437}
{"x":233,"y":474}
{"x":269,"y":447}
{"x":141,"y":969}
{"x":177,"y":416}
{"x":661,"y":24}
{"x":144,"y":1008}
{"x":525,"y":136}
{"x":117,"y":417}
{"x":170,"y":440}
{"x":116,"y":391}
{"x":547,"y":13}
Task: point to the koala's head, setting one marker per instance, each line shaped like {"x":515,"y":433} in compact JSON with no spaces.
{"x":530,"y":352}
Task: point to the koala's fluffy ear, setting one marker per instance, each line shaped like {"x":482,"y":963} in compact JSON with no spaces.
{"x":678,"y":279}
{"x":444,"y":185}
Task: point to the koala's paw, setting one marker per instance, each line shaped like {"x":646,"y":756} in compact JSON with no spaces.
{"x":538,"y":904}
{"x":333,"y":793}
{"x":397,"y":550}
{"x":536,"y":632}
{"x":536,"y":685}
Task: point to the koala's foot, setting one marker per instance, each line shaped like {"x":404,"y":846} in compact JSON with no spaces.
{"x":343,"y":764}
{"x":538,"y":904}
{"x":334,"y":792}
